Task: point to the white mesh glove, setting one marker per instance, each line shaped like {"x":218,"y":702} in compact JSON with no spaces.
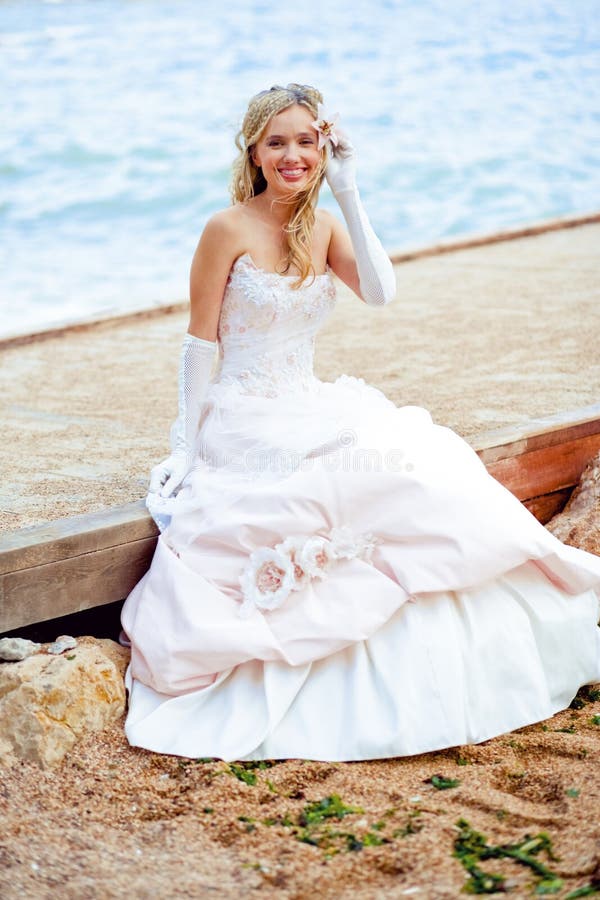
{"x":375,"y":270}
{"x":195,"y":365}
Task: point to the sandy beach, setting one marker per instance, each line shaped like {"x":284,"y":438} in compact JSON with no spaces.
{"x":483,"y":337}
{"x":112,"y":821}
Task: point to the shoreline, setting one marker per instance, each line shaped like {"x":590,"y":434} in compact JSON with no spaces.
{"x":421,"y":251}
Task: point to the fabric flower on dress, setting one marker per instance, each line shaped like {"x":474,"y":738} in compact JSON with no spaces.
{"x":272,"y":573}
{"x":344,"y":543}
{"x":292,"y":547}
{"x":325,"y":124}
{"x":267,"y":580}
{"x":316,"y":556}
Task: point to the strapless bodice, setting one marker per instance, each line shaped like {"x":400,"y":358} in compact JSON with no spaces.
{"x":267,"y":329}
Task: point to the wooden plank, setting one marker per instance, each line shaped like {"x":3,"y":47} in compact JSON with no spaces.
{"x":85,"y":561}
{"x":62,"y":538}
{"x":536,"y":434}
{"x":544,"y":471}
{"x":66,"y":586}
{"x":546,"y":506}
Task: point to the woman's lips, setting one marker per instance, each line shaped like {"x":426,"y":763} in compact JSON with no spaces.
{"x":292,"y":173}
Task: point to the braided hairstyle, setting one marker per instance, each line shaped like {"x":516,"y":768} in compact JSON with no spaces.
{"x":248,"y":180}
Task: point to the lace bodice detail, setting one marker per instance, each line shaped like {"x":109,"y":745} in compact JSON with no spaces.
{"x":267,"y":329}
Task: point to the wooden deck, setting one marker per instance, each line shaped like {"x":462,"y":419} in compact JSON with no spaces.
{"x":82,"y":562}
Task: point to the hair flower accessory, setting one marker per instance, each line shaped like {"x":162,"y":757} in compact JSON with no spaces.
{"x":325,"y":126}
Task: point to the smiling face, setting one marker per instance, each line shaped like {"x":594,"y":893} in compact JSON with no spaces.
{"x":287,"y":150}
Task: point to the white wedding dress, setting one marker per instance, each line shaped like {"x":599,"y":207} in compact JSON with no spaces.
{"x":419,"y":607}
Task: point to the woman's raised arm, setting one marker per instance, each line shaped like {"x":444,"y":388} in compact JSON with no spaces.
{"x":358,"y":257}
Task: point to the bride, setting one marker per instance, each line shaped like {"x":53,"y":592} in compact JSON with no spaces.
{"x":337,"y":578}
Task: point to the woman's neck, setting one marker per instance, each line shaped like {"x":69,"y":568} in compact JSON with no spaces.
{"x":274,"y":209}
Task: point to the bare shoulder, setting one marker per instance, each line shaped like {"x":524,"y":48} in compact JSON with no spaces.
{"x":224,"y":225}
{"x":221,"y":242}
{"x":329,"y":227}
{"x":325,"y":219}
{"x":324,"y":215}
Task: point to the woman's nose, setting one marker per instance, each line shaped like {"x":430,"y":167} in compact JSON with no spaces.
{"x":291,"y":152}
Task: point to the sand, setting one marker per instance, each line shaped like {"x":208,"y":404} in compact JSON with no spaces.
{"x":113,"y":821}
{"x":482,"y":337}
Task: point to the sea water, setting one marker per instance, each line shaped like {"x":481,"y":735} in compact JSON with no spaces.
{"x":117,"y":122}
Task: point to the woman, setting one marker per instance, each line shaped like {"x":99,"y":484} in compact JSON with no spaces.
{"x":337,"y":578}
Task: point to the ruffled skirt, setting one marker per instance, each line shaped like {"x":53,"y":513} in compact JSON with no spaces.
{"x":469,"y":619}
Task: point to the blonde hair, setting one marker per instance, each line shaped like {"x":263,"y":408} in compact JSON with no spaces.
{"x":248,"y":180}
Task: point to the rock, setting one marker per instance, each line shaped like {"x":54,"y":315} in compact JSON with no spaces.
{"x":17,"y":648}
{"x":579,"y":522}
{"x":48,"y":702}
{"x":62,"y":643}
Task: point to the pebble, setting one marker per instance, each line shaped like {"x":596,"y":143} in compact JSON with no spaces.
{"x":62,"y":643}
{"x":15,"y":649}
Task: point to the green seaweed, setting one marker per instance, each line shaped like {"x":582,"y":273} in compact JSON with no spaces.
{"x":327,"y":808}
{"x":471,"y":847}
{"x":412,"y":826}
{"x":595,"y":720}
{"x":314,"y":825}
{"x":246,"y":771}
{"x":441,"y":783}
{"x":588,"y":890}
{"x":242,"y":774}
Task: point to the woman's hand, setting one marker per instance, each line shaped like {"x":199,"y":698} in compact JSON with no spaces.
{"x":376,"y":279}
{"x":341,"y":166}
{"x":168,"y":475}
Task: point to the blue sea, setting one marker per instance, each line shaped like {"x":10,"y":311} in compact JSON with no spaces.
{"x":118,"y":119}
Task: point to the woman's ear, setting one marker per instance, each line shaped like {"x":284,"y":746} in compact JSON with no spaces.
{"x":254,"y":157}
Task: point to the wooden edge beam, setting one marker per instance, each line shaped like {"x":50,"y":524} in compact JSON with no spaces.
{"x":90,"y":560}
{"x":74,"y":536}
{"x":577,"y":430}
{"x":537,"y":434}
{"x":73,"y":584}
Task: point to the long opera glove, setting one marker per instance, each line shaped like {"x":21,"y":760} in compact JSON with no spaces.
{"x":375,"y":270}
{"x":195,"y":365}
